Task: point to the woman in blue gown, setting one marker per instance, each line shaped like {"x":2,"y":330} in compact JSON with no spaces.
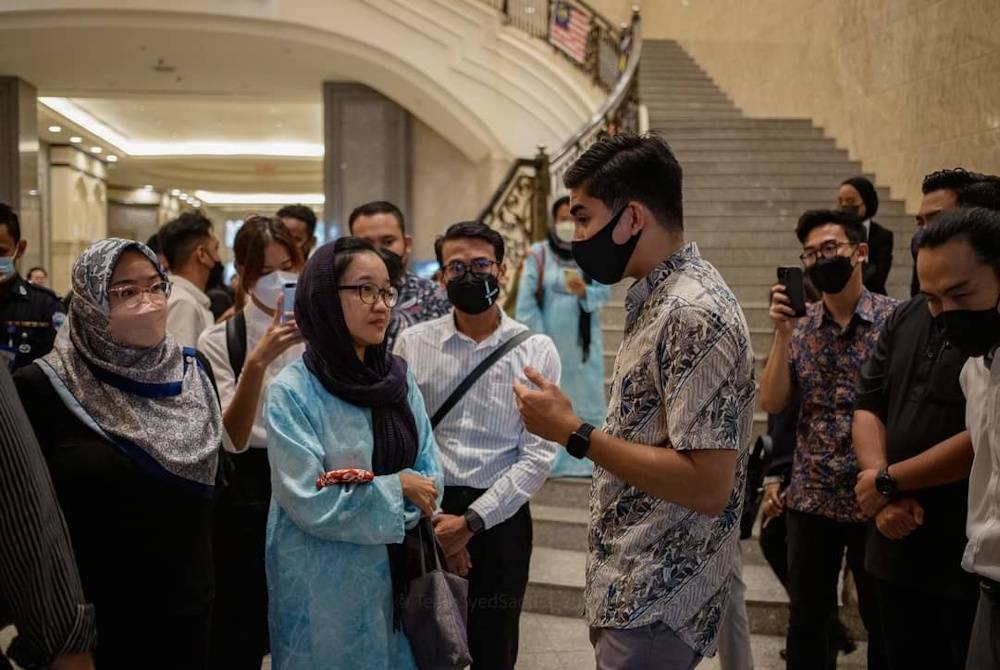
{"x":336,"y":564}
{"x":555,"y":299}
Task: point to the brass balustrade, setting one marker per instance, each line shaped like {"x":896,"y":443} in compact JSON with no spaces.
{"x":519,"y":207}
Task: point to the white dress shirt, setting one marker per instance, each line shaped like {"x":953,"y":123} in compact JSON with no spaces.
{"x":188,"y":313}
{"x":212,"y":344}
{"x":483,"y":443}
{"x":981,"y":386}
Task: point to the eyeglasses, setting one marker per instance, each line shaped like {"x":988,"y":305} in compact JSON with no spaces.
{"x":457,"y":269}
{"x":829,"y":249}
{"x":370,"y":293}
{"x":131,"y":291}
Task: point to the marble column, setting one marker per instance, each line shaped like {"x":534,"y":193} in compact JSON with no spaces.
{"x":369,"y":152}
{"x":19,"y":148}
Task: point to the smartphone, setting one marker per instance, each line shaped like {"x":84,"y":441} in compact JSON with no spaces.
{"x":791,"y":278}
{"x":288,"y":306}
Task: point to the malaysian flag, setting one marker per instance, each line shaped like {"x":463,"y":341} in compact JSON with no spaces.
{"x":569,"y":30}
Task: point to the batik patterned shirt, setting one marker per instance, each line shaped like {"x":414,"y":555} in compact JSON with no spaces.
{"x":826,"y":361}
{"x":684,"y":380}
{"x":419,"y":300}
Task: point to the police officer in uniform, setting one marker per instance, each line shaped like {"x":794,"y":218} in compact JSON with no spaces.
{"x":29,"y":315}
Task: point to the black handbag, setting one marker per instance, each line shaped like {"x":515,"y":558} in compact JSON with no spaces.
{"x":435,"y":611}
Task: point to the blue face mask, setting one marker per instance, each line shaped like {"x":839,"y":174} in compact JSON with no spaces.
{"x":7,"y":270}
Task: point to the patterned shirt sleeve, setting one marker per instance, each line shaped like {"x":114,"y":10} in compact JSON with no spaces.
{"x":703,"y":378}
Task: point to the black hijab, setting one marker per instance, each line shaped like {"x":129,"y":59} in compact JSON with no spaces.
{"x":869,"y":196}
{"x":379,"y":383}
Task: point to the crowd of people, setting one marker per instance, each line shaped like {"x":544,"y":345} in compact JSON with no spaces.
{"x":193,"y":476}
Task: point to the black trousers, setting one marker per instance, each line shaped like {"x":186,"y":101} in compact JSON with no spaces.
{"x":497,"y":582}
{"x":816,"y":547}
{"x":239,"y":622}
{"x":923,"y":630}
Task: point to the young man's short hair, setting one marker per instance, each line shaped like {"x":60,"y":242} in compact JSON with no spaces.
{"x":952,"y":180}
{"x":623,"y":168}
{"x":8,"y":217}
{"x":469,"y":230}
{"x":375,"y":208}
{"x":983,"y":193}
{"x":814,"y":218}
{"x":300,"y":212}
{"x":978,"y":226}
{"x":179,"y":238}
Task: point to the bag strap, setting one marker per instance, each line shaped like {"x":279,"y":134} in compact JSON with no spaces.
{"x":540,"y":287}
{"x":474,"y":376}
{"x":236,"y":343}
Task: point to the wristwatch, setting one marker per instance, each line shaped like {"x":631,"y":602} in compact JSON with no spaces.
{"x":474,"y":522}
{"x":579,"y":442}
{"x":885,"y":484}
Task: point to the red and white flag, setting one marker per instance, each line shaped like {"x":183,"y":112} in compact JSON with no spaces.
{"x":570,"y":30}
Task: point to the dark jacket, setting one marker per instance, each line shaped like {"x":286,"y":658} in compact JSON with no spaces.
{"x":879,"y":258}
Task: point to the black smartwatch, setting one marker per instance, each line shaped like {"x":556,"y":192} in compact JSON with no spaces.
{"x":579,"y":442}
{"x":885,"y":484}
{"x":474,"y":522}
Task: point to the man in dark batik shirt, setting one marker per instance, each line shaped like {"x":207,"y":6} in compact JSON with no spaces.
{"x":820,"y":355}
{"x":382,"y":224}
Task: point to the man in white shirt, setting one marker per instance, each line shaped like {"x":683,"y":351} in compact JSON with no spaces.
{"x":192,"y":250}
{"x":958,"y":264}
{"x":492,"y":465}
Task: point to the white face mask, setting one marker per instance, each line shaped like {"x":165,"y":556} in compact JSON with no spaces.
{"x":565,"y":230}
{"x":269,"y":287}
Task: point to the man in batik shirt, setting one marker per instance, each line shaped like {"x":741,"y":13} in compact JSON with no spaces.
{"x":820,"y":355}
{"x":382,"y":224}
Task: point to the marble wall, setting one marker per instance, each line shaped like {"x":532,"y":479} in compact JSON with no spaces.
{"x":906,"y":86}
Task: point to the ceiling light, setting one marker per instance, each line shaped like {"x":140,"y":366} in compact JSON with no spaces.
{"x":33,"y":192}
{"x":213,"y":198}
{"x":76,"y":139}
{"x":195,"y":203}
{"x":84,"y":120}
{"x":185,"y":197}
{"x":175,"y":192}
{"x":112,"y":158}
{"x":55,"y":129}
{"x":96,"y":150}
{"x":148,"y":187}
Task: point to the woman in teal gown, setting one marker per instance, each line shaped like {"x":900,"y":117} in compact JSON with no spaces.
{"x":554,"y":298}
{"x":335,"y":559}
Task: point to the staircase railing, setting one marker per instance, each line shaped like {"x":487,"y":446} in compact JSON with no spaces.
{"x":519,"y":207}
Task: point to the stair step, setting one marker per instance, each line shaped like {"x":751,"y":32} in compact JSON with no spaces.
{"x":682,"y":145}
{"x":725,"y":192}
{"x":747,"y":165}
{"x":675,"y":135}
{"x":829,"y":182}
{"x":742,"y":123}
{"x":761,"y":156}
{"x":680,"y":98}
{"x":793,"y":208}
{"x":658,"y":117}
{"x":695,"y":224}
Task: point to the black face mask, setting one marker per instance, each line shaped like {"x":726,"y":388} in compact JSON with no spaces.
{"x":973,"y":332}
{"x":600,"y":258}
{"x":473,"y":292}
{"x":854,"y":210}
{"x":830,"y":275}
{"x":216,"y":275}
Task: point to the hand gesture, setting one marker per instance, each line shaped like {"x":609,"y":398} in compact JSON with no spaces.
{"x":452,"y":532}
{"x":419,"y":490}
{"x":547,"y":413}
{"x":460,"y":563}
{"x":277,"y":340}
{"x":781,"y":312}
{"x":774,"y":501}
{"x":899,"y":518}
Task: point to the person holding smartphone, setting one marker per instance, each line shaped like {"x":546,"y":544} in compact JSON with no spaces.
{"x":247,"y":352}
{"x":557,"y":299}
{"x":819,"y":356}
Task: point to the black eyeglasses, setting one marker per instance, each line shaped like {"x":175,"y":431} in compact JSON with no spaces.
{"x":457,"y":269}
{"x":830,"y":249}
{"x":370,"y":293}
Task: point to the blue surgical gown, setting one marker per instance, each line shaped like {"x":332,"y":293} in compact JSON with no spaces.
{"x":327,"y":566}
{"x":558,"y":317}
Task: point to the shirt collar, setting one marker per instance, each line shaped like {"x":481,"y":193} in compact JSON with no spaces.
{"x":504,"y":330}
{"x":640,"y":291}
{"x":19,"y":288}
{"x":864,"y":310}
{"x":186,"y":286}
